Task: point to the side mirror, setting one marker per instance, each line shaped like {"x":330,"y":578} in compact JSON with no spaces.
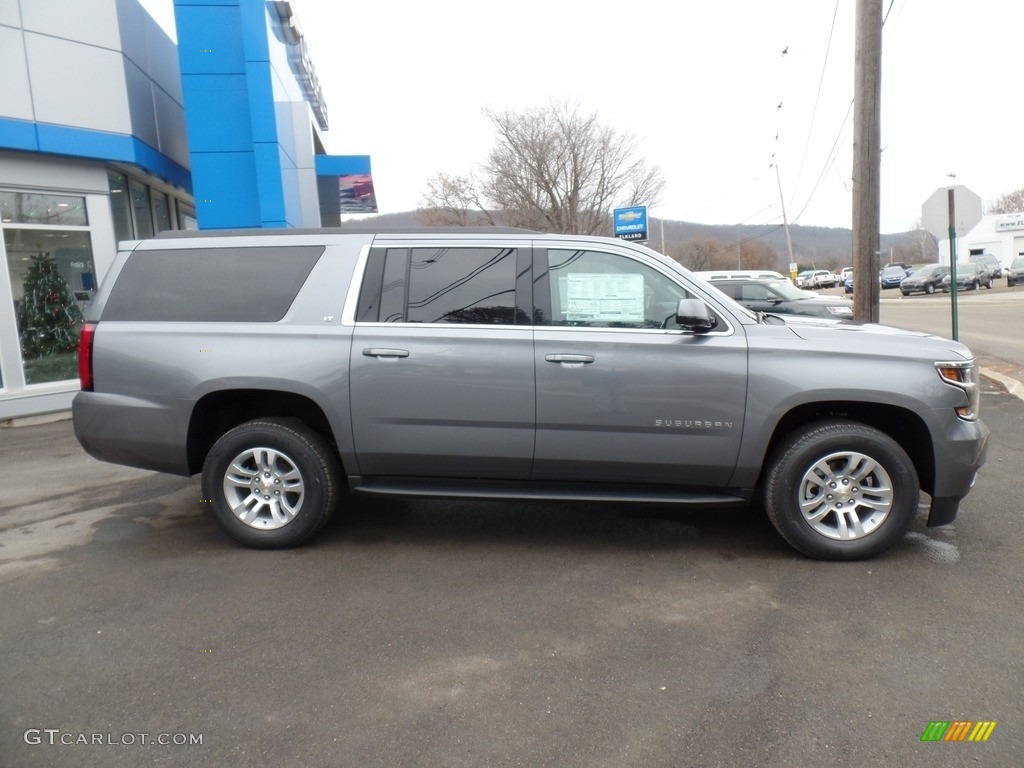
{"x":693,"y":315}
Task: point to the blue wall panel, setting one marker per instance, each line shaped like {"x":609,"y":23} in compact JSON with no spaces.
{"x":268,"y":167}
{"x":228,"y":197}
{"x":209,"y":39}
{"x":18,"y":134}
{"x":217,"y":113}
{"x":240,"y":90}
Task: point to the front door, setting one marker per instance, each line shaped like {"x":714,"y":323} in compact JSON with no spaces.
{"x":623,"y":394}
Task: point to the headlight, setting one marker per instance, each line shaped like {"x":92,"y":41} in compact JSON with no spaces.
{"x":963,"y":375}
{"x":840,"y":311}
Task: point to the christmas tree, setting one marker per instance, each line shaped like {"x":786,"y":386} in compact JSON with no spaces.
{"x":48,"y":317}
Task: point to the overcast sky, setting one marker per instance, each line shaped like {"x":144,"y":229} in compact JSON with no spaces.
{"x":700,"y":85}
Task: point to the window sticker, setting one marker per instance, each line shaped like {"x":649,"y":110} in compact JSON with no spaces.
{"x":603,"y":297}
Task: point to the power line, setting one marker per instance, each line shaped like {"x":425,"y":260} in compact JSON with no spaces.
{"x":817,"y":98}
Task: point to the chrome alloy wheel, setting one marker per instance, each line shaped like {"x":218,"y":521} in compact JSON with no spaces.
{"x":845,"y":495}
{"x":264,"y":488}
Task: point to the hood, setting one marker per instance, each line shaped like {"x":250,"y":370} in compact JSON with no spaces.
{"x":866,"y":335}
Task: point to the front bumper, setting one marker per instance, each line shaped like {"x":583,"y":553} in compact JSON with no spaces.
{"x":958,"y":458}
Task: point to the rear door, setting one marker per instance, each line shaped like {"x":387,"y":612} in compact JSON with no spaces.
{"x":623,"y":394}
{"x":442,"y":368}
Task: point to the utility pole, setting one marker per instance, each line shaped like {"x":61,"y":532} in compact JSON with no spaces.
{"x":867,"y":159}
{"x":785,"y":222}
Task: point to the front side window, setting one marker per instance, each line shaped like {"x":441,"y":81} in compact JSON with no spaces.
{"x":604,"y":290}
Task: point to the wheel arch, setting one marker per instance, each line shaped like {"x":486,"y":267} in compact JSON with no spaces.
{"x":218,"y":412}
{"x":902,"y":425}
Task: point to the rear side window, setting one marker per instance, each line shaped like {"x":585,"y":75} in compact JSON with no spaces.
{"x":211,"y":285}
{"x":441,"y":285}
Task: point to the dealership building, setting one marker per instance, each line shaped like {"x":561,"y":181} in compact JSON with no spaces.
{"x":110,"y":131}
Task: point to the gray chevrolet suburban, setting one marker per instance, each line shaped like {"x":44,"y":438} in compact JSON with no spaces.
{"x":289,"y":365}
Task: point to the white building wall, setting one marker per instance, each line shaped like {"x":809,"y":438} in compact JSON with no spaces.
{"x":1001,"y":235}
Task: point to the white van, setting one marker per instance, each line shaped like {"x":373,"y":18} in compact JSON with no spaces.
{"x":747,"y":274}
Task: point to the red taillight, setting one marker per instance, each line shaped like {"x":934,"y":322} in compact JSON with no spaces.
{"x":85,"y":356}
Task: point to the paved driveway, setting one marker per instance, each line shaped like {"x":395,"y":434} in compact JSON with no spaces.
{"x":493,"y":634}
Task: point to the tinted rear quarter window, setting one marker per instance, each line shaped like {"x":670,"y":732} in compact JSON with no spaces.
{"x":211,"y":285}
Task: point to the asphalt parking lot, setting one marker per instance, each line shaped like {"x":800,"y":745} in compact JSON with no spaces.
{"x":493,"y":634}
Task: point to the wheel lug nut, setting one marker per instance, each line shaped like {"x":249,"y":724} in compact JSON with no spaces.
{"x":829,"y":497}
{"x":832,"y":485}
{"x":846,"y":482}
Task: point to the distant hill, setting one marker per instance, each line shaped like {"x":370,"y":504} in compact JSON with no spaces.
{"x":821,"y":247}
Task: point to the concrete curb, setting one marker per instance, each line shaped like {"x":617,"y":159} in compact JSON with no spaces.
{"x":1012,"y":386}
{"x":35,"y":421}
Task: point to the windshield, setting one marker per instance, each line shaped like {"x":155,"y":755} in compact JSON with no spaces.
{"x":787,"y":290}
{"x":1018,"y":264}
{"x":925,"y":271}
{"x":890,"y":271}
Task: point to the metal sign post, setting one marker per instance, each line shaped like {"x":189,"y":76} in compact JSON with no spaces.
{"x":952,"y":259}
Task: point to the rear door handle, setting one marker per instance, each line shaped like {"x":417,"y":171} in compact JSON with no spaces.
{"x":572,"y":360}
{"x":385,"y":352}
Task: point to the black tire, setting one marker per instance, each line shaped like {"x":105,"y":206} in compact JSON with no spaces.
{"x":286,"y":460}
{"x":976,"y":285}
{"x":843,"y":526}
{"x":929,"y":288}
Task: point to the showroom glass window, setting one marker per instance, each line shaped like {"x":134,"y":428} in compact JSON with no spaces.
{"x":140,"y":210}
{"x":53,"y":278}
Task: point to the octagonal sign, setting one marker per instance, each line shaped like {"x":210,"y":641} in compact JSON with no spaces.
{"x":935,"y":211}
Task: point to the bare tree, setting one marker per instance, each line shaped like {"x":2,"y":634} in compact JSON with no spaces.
{"x":552,"y":169}
{"x":755,"y":254}
{"x":1008,"y":202}
{"x":700,"y":254}
{"x":453,"y":201}
{"x":916,"y":247}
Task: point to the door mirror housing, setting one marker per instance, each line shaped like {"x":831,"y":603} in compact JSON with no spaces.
{"x":692,"y":315}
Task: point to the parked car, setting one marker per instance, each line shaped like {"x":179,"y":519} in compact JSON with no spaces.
{"x":805,"y":279}
{"x":848,"y":283}
{"x":822,"y":278}
{"x":990,"y":262}
{"x":1015,"y":272}
{"x":287,"y":366}
{"x":892,"y":276}
{"x":970,"y":276}
{"x":926,"y":279}
{"x":781,"y":297}
{"x":728,"y":274}
{"x":844,"y":273}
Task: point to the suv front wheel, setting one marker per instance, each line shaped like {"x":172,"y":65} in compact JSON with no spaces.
{"x":272,"y":483}
{"x":841,"y":490}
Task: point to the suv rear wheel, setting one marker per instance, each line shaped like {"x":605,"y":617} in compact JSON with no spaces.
{"x":841,"y":490}
{"x":272,"y":483}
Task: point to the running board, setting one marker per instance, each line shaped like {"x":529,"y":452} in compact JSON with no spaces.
{"x":479,"y":489}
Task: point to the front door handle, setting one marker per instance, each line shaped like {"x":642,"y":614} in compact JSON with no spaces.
{"x":573,"y":360}
{"x":385,"y":352}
